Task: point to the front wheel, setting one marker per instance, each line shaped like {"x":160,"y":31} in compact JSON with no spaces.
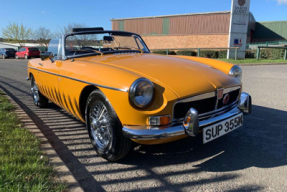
{"x":26,"y":57}
{"x":105,"y":128}
{"x":16,"y":57}
{"x":3,"y":57}
{"x":39,"y":99}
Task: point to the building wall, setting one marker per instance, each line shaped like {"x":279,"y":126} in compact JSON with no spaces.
{"x":205,"y":23}
{"x":180,"y":31}
{"x":200,"y":24}
{"x":5,"y":45}
{"x":186,"y":41}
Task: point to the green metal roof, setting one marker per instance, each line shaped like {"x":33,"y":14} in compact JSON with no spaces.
{"x":162,"y":16}
{"x":271,"y":30}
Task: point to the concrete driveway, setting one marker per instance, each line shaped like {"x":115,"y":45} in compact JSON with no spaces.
{"x":252,"y":158}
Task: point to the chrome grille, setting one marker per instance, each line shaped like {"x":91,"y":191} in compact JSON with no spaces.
{"x":207,"y":104}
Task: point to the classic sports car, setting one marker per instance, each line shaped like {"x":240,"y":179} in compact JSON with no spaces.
{"x":112,"y":82}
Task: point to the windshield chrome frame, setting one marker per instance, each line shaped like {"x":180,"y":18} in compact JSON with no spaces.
{"x":111,"y":32}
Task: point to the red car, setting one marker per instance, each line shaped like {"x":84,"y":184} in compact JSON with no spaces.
{"x":27,"y":52}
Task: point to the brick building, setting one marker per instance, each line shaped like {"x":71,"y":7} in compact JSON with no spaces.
{"x":235,"y":28}
{"x":181,"y":31}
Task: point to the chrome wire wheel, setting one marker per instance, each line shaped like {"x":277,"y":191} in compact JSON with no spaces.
{"x":26,"y":56}
{"x":3,"y":56}
{"x":35,"y":91}
{"x":100,"y":125}
{"x":105,"y":128}
{"x":39,"y":99}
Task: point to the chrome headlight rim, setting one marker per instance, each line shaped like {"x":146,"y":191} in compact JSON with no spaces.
{"x":133,"y":89}
{"x":236,"y":72}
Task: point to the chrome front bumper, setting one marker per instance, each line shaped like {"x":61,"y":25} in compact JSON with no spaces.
{"x":177,"y":129}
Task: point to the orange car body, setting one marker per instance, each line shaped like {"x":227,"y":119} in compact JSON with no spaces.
{"x":67,"y":83}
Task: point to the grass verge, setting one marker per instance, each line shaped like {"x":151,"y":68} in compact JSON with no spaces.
{"x":254,"y":61}
{"x":22,"y":165}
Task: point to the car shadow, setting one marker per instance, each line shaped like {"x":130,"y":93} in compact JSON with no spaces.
{"x":261,"y":142}
{"x":173,"y":166}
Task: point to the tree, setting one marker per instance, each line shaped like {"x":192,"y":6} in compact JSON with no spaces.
{"x":80,"y":40}
{"x":18,"y":33}
{"x":43,"y":35}
{"x":68,"y":28}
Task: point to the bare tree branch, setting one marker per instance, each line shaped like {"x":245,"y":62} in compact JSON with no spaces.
{"x":18,"y":33}
{"x":43,"y":35}
{"x":68,"y":29}
{"x":81,"y":40}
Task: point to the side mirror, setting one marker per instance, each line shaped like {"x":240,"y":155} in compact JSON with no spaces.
{"x":46,"y":55}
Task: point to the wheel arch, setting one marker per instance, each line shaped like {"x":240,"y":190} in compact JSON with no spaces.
{"x":30,"y":75}
{"x":84,"y":98}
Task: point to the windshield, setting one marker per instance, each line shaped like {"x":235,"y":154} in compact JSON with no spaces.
{"x":33,"y":49}
{"x":103,"y":43}
{"x":10,"y":49}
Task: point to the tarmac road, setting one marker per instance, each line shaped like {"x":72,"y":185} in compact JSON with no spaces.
{"x":251,"y":158}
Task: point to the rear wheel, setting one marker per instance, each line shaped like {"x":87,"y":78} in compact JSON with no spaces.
{"x":39,"y":99}
{"x":16,"y":57}
{"x":3,"y":57}
{"x":26,"y":57}
{"x":105,"y":128}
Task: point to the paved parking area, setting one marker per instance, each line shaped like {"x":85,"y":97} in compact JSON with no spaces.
{"x":252,"y":158}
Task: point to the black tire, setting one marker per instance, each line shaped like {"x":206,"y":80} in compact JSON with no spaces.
{"x":117,"y":146}
{"x":39,"y":99}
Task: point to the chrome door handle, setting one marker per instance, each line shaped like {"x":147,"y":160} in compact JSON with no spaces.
{"x":40,"y":64}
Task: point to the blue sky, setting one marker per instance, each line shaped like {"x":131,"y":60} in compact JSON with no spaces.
{"x":54,"y":13}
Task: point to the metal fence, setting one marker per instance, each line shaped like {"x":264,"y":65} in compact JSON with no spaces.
{"x":266,"y":47}
{"x":265,"y":43}
{"x":198,"y":50}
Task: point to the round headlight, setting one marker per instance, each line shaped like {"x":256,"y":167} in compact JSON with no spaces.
{"x":236,"y":72}
{"x":141,"y":92}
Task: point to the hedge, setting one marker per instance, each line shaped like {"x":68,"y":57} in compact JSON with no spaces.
{"x":222,"y":54}
{"x":264,"y":53}
{"x":271,"y":53}
{"x":164,"y":52}
{"x":208,"y":54}
{"x":250,"y":54}
{"x":187,"y":53}
{"x":203,"y":53}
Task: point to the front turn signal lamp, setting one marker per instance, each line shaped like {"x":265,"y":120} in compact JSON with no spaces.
{"x":159,"y":120}
{"x":191,"y":123}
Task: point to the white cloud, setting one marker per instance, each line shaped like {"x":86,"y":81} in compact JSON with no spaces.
{"x":43,"y":12}
{"x":282,"y":1}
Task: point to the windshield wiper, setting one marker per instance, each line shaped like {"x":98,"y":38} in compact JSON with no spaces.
{"x":87,"y":51}
{"x":129,"y":48}
{"x":97,"y":51}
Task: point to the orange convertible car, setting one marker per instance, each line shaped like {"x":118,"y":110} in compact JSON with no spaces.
{"x":112,"y":82}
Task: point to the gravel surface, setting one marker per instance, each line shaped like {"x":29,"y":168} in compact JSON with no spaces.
{"x":252,"y":158}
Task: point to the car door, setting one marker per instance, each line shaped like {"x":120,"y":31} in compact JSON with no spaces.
{"x":25,"y":51}
{"x":48,"y":76}
{"x":18,"y":53}
{"x":21,"y":52}
{"x":71,"y":85}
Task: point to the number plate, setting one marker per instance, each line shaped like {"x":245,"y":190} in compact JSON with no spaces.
{"x":217,"y":130}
